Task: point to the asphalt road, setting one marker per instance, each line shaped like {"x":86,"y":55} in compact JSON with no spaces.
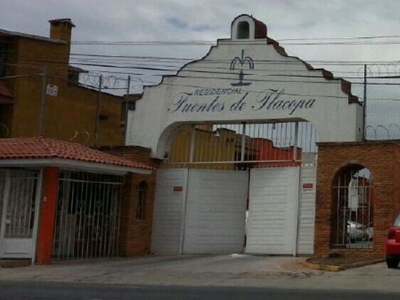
{"x":69,"y":291}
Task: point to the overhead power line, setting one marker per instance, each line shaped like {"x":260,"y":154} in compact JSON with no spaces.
{"x":359,"y":40}
{"x":211,"y":43}
{"x":140,"y":70}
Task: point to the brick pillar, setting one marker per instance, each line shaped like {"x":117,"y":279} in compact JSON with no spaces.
{"x":47,"y":215}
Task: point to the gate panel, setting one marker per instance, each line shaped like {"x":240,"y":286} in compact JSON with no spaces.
{"x":169,"y":211}
{"x":305,"y":241}
{"x":215,"y":213}
{"x":20,"y":204}
{"x":273,"y":211}
{"x":88,"y":211}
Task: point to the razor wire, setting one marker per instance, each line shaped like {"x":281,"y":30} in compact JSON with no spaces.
{"x":382,"y":116}
{"x":111,"y":83}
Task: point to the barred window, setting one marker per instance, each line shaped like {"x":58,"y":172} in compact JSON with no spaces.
{"x":141,"y":201}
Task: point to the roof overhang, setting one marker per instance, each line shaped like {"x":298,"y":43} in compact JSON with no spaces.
{"x":72,"y":164}
{"x":4,"y":32}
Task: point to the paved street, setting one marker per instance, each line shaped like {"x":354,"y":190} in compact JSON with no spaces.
{"x":57,"y":291}
{"x":201,"y":273}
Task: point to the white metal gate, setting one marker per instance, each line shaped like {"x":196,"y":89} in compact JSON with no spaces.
{"x":215,"y":211}
{"x":20,"y":193}
{"x":167,"y":233}
{"x":199,"y":211}
{"x":273,"y":211}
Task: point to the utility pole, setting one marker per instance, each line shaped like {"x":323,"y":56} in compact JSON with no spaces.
{"x":126,"y":106}
{"x":43,"y":100}
{"x":96,"y":128}
{"x":365,"y":103}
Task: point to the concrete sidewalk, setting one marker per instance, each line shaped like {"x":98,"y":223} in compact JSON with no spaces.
{"x":220,"y":270}
{"x":166,"y":270}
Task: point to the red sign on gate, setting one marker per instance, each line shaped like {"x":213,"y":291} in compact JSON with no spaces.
{"x":308,"y":186}
{"x":178,"y":188}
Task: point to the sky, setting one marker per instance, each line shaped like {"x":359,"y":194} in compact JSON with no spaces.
{"x":205,"y":21}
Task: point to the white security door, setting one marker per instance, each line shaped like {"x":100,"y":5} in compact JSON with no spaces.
{"x":272,"y":220}
{"x":215,"y":211}
{"x":20,"y":206}
{"x":169,"y":211}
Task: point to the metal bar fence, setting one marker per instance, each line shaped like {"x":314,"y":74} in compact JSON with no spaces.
{"x":235,"y":145}
{"x":88,"y":213}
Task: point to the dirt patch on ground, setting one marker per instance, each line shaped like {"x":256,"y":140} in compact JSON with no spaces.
{"x":342,"y":261}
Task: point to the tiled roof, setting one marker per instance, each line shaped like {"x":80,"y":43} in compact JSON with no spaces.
{"x":44,"y":148}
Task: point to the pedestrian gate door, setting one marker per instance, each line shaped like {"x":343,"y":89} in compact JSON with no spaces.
{"x":19,"y":201}
{"x":272,"y":221}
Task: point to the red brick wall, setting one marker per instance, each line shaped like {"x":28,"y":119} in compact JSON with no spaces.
{"x":135,"y":235}
{"x":382,"y":159}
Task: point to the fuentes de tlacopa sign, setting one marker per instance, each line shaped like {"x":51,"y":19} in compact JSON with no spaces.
{"x":210,"y":100}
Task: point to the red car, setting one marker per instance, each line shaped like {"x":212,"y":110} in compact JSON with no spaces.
{"x":393,"y":245}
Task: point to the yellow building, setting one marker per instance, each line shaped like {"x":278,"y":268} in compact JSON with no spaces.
{"x":217,"y":149}
{"x":55,"y":105}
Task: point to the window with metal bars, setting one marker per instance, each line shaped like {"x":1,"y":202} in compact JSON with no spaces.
{"x":141,"y":201}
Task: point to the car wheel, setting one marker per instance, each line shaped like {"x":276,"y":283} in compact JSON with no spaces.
{"x":392,"y":263}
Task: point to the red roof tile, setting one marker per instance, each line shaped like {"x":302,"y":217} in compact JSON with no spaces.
{"x":43,"y":148}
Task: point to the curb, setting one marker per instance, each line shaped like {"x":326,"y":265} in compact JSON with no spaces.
{"x":334,"y":268}
{"x":17,"y":263}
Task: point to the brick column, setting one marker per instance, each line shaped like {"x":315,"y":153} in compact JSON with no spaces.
{"x":47,"y":217}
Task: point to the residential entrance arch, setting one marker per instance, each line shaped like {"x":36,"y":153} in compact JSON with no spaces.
{"x":246,"y":80}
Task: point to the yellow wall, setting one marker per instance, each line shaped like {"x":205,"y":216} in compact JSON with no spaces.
{"x":71,"y":113}
{"x":208,"y":147}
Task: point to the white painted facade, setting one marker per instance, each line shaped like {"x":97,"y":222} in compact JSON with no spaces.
{"x":274,"y":87}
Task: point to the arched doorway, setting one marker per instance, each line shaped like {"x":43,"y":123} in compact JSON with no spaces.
{"x":352,"y":213}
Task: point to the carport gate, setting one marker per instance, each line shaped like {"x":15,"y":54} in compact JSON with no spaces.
{"x":88,"y":216}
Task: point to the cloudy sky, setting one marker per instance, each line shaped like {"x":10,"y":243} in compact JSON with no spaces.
{"x":204,"y":21}
{"x":208,"y":20}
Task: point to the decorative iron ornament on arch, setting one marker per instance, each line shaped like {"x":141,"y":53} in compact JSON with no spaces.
{"x":243,"y":60}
